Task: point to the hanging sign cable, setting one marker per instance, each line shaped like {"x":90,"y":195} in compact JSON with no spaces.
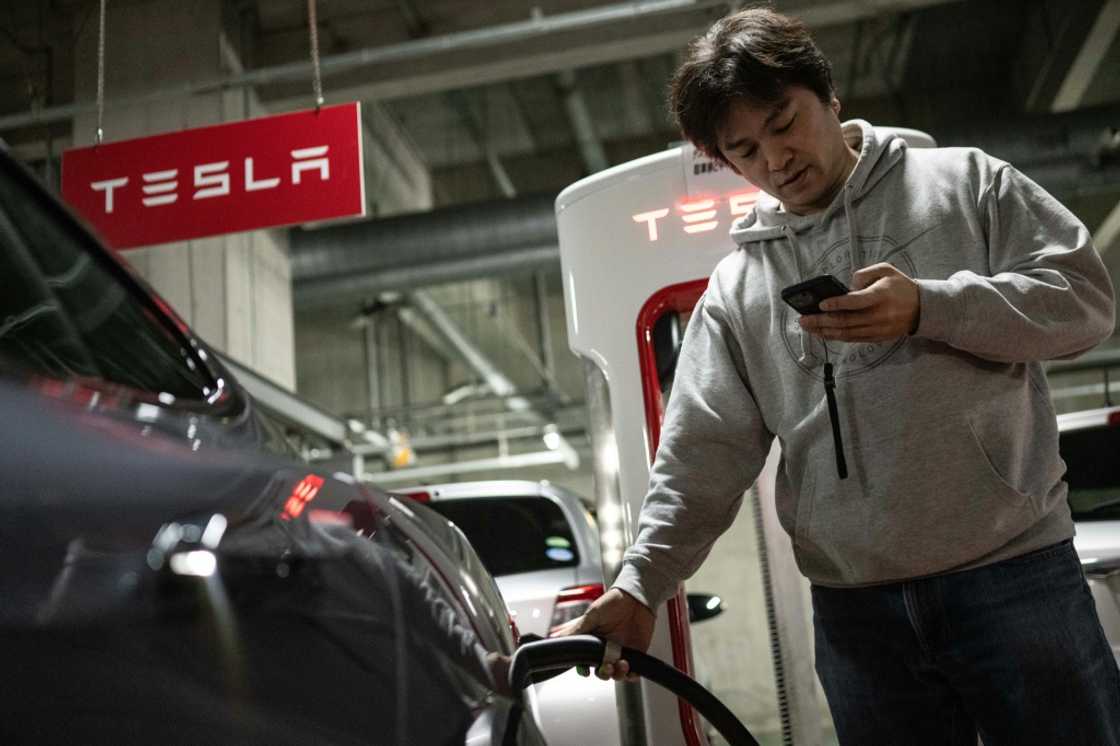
{"x":313,"y":26}
{"x":101,"y":74}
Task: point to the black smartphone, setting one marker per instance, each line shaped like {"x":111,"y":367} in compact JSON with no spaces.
{"x":806,"y":296}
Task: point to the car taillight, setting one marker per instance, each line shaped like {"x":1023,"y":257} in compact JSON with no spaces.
{"x":573,"y":602}
{"x":1114,"y":419}
{"x":420,"y":497}
{"x":332,"y":517}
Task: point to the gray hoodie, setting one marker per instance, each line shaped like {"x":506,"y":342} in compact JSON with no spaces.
{"x":949,"y":434}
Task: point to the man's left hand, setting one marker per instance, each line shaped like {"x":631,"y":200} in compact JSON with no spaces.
{"x":883,"y":304}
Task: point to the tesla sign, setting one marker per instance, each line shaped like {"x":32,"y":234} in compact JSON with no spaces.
{"x":714,"y":194}
{"x":292,"y":168}
{"x":699,"y":215}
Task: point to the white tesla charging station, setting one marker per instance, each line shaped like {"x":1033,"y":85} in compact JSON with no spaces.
{"x":637,"y":241}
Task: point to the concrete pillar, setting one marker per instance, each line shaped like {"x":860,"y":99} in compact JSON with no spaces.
{"x":397,"y":180}
{"x":234,"y":290}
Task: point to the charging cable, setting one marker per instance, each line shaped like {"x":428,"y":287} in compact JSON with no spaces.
{"x":541,"y":659}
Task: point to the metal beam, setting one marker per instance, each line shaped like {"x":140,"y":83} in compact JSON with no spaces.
{"x":414,"y":21}
{"x":569,"y":457}
{"x":440,"y":74}
{"x":538,"y":46}
{"x":821,"y":14}
{"x":498,"y":382}
{"x":590,"y":147}
{"x":485,"y":143}
{"x":407,"y":65}
{"x":419,"y":326}
{"x":544,"y":330}
{"x":397,"y":179}
{"x":636,"y":102}
{"x":286,"y":405}
{"x":555,"y":50}
{"x":467,"y":439}
{"x":1088,"y":60}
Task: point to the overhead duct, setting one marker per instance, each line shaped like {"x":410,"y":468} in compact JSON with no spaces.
{"x":351,"y":261}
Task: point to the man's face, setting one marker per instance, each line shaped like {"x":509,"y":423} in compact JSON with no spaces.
{"x":793,"y":150}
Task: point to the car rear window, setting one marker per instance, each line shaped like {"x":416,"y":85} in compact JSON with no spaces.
{"x":513,"y":534}
{"x":64,"y":314}
{"x":1093,"y":472}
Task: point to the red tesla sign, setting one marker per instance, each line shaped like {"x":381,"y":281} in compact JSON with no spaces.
{"x":290,"y":168}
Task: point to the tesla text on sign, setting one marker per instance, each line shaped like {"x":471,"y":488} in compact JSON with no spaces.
{"x":291,"y":168}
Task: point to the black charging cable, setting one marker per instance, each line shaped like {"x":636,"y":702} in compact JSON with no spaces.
{"x":834,"y":417}
{"x":541,"y":659}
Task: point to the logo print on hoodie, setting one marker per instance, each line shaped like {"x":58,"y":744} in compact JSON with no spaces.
{"x":849,"y":358}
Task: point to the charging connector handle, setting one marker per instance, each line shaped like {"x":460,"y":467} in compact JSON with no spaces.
{"x":561,"y":653}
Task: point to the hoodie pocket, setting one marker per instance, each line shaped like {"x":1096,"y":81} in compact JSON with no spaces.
{"x":998,"y":474}
{"x":914,"y":506}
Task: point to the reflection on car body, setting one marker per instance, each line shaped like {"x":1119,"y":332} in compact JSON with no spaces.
{"x":542,"y":547}
{"x":172,"y":573}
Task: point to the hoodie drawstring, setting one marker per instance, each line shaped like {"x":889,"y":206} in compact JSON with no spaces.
{"x":807,"y":357}
{"x":853,"y":242}
{"x":878,"y":154}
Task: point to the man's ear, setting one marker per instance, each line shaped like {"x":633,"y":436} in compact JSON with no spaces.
{"x":834,"y":104}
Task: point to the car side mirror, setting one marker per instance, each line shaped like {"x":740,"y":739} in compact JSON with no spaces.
{"x":703,"y":606}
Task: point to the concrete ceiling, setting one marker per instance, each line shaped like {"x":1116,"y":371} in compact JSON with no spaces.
{"x":480,"y":90}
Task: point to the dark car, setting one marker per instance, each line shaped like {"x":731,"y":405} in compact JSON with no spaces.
{"x":171,"y":572}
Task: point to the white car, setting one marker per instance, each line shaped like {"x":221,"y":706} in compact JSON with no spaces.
{"x":1090,"y":446}
{"x":542,"y":547}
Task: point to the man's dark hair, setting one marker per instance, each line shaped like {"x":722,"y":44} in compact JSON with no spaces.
{"x":753,"y":55}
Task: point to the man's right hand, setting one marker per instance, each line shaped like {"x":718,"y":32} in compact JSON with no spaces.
{"x":616,"y":616}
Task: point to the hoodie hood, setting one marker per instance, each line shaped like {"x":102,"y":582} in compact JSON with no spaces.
{"x":879,"y":152}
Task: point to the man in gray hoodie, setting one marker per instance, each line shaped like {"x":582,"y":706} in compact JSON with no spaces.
{"x":933,"y":524}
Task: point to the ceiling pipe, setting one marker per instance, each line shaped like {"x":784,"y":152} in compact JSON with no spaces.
{"x":435,"y":315}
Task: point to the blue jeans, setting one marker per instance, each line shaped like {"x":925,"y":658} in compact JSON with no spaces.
{"x":1013,"y":651}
